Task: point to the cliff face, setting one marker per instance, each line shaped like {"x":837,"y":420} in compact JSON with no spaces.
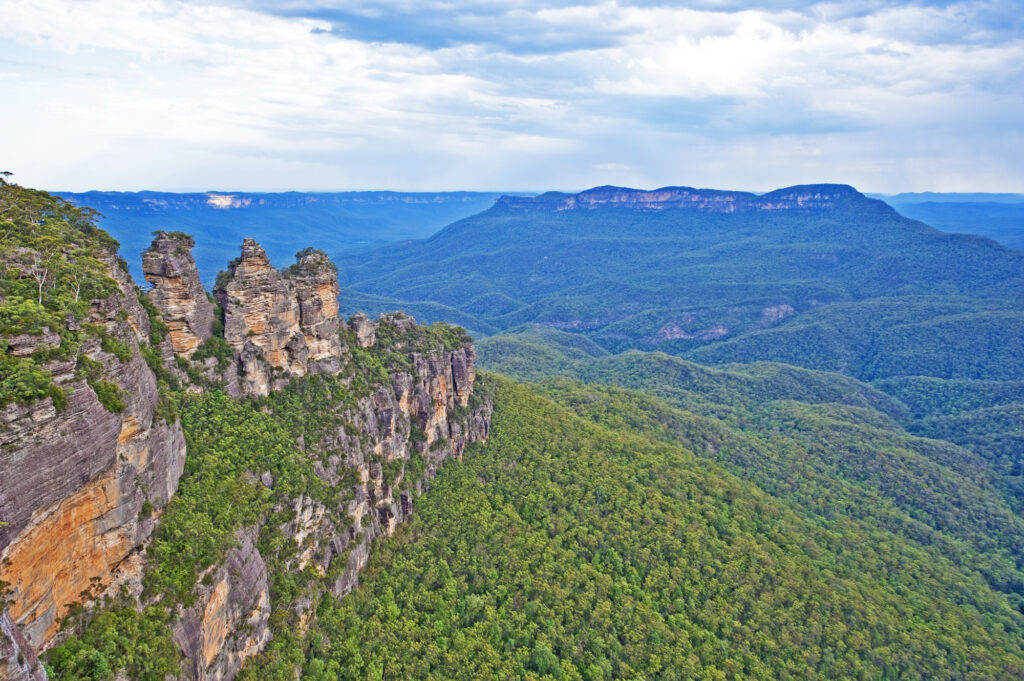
{"x":76,"y":478}
{"x":86,"y":474}
{"x":425,"y":412}
{"x":228,"y":623}
{"x":280,"y":325}
{"x":18,"y":661}
{"x":177,"y":292}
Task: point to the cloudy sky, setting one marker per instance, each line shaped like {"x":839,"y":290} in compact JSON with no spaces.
{"x":517,"y":95}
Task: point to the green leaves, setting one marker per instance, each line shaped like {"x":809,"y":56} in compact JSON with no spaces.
{"x":118,"y":639}
{"x":562,"y":549}
{"x":51,"y":266}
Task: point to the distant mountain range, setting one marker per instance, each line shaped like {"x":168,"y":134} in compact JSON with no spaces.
{"x":336,"y":222}
{"x":349,"y":222}
{"x":818,"y":275}
{"x":997,"y":216}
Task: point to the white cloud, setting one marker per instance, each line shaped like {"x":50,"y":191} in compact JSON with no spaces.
{"x":172,"y":94}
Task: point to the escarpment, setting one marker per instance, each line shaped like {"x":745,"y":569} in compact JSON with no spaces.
{"x":85,"y":471}
{"x":374,"y":436}
{"x":344,"y":425}
{"x":801,"y":197}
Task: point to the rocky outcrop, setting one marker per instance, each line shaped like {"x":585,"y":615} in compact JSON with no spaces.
{"x":364,"y":329}
{"x":281,"y":325}
{"x":85,"y":482}
{"x":314,"y":280}
{"x":81,"y":484}
{"x":429,"y":411}
{"x":177,"y":292}
{"x":228,"y":623}
{"x":381,"y":453}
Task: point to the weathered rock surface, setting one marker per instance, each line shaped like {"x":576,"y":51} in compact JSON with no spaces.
{"x":384,"y":452}
{"x":280,"y":325}
{"x":364,"y":328}
{"x":83,"y":486}
{"x":18,"y":662}
{"x":228,"y":623}
{"x":426,"y":412}
{"x":177,"y":292}
{"x":314,"y":280}
{"x":75,"y":481}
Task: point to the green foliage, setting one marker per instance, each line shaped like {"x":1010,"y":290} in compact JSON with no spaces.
{"x":23,"y":381}
{"x":108,"y":343}
{"x":983,"y":416}
{"x":225,"y":439}
{"x":535,"y":351}
{"x":325,"y":261}
{"x":109,"y":393}
{"x":854,"y":288}
{"x":563,"y":549}
{"x":215,"y":346}
{"x":119,"y":638}
{"x":157,"y":328}
{"x":177,"y":235}
{"x":53,"y":263}
{"x":766,"y":422}
{"x":23,"y":316}
{"x":948,"y":337}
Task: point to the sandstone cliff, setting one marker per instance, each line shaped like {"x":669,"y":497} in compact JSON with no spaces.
{"x":377,"y":451}
{"x":228,"y":623}
{"x":86,"y":473}
{"x":83,"y":480}
{"x":18,"y":661}
{"x":168,"y":265}
{"x":280,"y":325}
{"x":801,"y":197}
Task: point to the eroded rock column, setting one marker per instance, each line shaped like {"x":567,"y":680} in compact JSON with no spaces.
{"x":177,"y":292}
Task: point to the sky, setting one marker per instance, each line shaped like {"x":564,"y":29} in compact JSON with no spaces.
{"x":522,"y":95}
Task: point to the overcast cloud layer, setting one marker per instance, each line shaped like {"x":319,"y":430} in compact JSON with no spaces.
{"x":519,"y":95}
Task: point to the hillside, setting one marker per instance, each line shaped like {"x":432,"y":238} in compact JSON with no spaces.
{"x":181,"y":479}
{"x":818,"y":276}
{"x":247,"y":485}
{"x":982,"y":416}
{"x":594,"y":548}
{"x":337,"y":222}
{"x":997,"y":216}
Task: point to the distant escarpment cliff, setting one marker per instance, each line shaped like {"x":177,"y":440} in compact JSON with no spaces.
{"x":812,"y":196}
{"x":193,"y":472}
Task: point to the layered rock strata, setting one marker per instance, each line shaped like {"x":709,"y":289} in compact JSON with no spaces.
{"x":177,"y":292}
{"x":809,"y":197}
{"x":428,"y":411}
{"x":381,"y":452}
{"x":81,"y":484}
{"x":280,"y":325}
{"x":228,"y":623}
{"x":84,"y":484}
{"x":18,"y":661}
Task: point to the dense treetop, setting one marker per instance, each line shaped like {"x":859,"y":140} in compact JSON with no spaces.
{"x":54,"y":261}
